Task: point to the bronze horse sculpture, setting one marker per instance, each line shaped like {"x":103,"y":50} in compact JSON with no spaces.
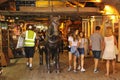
{"x":53,"y":43}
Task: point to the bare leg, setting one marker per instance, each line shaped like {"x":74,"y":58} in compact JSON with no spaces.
{"x":30,"y":61}
{"x":96,"y":63}
{"x":70,"y":59}
{"x":107,"y":67}
{"x":27,"y":61}
{"x":82,"y":61}
{"x":113,"y":65}
{"x":75,"y":62}
{"x":78,"y":59}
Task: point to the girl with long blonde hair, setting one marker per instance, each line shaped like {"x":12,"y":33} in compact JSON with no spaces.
{"x":109,"y":51}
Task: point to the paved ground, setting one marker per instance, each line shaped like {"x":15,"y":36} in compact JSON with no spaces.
{"x":18,"y":71}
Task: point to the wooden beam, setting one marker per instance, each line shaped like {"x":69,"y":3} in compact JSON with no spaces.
{"x":2,"y":1}
{"x":59,"y":9}
{"x":94,"y":0}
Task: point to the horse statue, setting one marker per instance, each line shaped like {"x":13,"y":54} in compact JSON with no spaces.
{"x":53,"y":43}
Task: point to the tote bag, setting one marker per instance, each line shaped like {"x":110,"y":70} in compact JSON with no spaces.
{"x":20,"y":42}
{"x":116,"y":50}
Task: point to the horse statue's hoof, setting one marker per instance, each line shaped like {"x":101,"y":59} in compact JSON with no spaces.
{"x":57,"y":71}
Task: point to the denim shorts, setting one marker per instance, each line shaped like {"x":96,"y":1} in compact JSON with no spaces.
{"x":96,"y":54}
{"x":81,"y":51}
{"x":74,"y":51}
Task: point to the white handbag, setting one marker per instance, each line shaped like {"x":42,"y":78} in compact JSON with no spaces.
{"x":20,"y":43}
{"x":116,"y":50}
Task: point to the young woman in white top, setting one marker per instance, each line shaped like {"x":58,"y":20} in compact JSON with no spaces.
{"x":73,"y":44}
{"x":81,"y":50}
{"x":109,"y":51}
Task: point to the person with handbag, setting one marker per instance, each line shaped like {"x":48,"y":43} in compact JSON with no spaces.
{"x":109,"y":54}
{"x":29,"y":45}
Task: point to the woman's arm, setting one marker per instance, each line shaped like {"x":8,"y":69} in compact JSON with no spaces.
{"x":115,"y":41}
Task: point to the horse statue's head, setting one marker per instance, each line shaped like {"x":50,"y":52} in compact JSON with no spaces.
{"x":54,"y":26}
{"x":53,"y":29}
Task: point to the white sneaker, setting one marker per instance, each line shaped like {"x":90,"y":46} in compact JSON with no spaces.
{"x":27,"y":64}
{"x":74,"y":71}
{"x":96,"y":71}
{"x":79,"y":67}
{"x":82,"y":70}
{"x":69,"y":69}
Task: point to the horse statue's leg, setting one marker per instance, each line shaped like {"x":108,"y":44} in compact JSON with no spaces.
{"x":41,"y":55}
{"x":57,"y":61}
{"x":48,"y":60}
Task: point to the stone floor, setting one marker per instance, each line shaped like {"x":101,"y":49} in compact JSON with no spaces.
{"x":17,"y":70}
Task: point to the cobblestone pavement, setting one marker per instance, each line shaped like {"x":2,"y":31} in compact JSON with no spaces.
{"x":18,"y":70}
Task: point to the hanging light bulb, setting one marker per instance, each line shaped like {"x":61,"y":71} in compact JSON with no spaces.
{"x":98,"y":0}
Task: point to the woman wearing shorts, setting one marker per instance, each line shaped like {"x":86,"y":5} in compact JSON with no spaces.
{"x":73,"y":43}
{"x":81,"y":50}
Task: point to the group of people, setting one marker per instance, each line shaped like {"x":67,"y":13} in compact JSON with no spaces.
{"x":101,"y":46}
{"x":76,"y":48}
